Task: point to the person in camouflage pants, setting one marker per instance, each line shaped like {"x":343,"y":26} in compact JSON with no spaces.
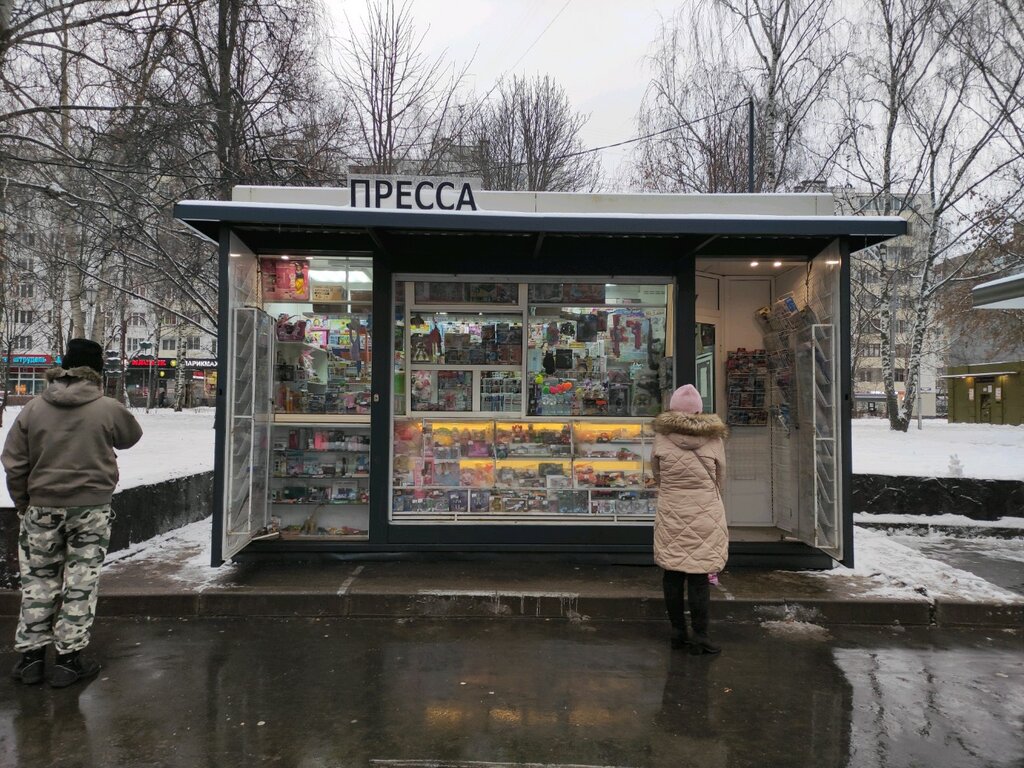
{"x":61,"y":552}
{"x":61,"y":472}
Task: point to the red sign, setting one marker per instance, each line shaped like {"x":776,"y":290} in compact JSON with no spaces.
{"x":159,"y":363}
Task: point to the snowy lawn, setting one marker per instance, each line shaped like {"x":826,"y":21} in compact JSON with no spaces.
{"x":985,"y":451}
{"x":172,"y":445}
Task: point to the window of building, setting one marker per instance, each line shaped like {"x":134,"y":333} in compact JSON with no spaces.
{"x":132,"y":344}
{"x":23,"y":342}
{"x":25,"y":316}
{"x":26,"y":290}
{"x":192,"y":342}
{"x":137,"y":319}
{"x":899,"y":374}
{"x":168,"y":344}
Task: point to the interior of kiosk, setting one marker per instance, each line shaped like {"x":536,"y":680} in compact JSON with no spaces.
{"x":768,"y":362}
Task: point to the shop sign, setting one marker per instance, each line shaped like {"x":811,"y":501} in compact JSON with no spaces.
{"x":199,"y":362}
{"x":411,"y":194}
{"x":32,"y":360}
{"x":159,"y":363}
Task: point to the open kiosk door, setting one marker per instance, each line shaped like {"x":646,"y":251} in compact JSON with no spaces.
{"x":246,"y":507}
{"x":818,"y":376}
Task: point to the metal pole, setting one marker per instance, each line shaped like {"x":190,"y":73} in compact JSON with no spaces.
{"x":750,"y":145}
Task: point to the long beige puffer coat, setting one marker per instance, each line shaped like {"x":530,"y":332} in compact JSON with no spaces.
{"x":690,"y":531}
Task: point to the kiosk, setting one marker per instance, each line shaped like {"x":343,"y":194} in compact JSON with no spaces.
{"x":483,"y":380}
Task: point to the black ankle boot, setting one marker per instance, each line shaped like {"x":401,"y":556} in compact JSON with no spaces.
{"x":680,"y":638}
{"x":72,"y":667}
{"x":700,"y":644}
{"x":29,"y":669}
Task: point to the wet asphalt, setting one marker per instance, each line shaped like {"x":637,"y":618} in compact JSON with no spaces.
{"x":317,"y":693}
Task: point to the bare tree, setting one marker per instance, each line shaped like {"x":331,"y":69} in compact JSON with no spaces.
{"x":527,"y":137}
{"x":400,"y":98}
{"x":712,"y":59}
{"x":935,"y":109}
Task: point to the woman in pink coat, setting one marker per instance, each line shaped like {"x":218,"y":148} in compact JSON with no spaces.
{"x":691,"y":537}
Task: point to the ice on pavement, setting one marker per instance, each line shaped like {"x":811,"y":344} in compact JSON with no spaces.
{"x":188,"y":546}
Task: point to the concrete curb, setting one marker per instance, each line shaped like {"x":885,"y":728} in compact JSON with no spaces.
{"x":540,"y":605}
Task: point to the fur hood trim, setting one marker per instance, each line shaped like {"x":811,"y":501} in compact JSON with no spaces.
{"x":694,"y":424}
{"x":79,"y":372}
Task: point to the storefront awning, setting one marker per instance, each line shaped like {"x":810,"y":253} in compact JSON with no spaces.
{"x":286,"y":228}
{"x":1005,"y":293}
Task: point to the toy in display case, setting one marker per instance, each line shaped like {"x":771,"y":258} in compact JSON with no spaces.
{"x":323,"y":467}
{"x":449,"y":391}
{"x":530,"y":473}
{"x":532,"y":439}
{"x":285,"y":280}
{"x":624,"y":503}
{"x":501,"y":391}
{"x":608,"y":474}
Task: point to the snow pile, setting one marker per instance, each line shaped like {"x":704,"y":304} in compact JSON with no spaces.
{"x":186,"y":548}
{"x":945,"y":519}
{"x":984,"y":451}
{"x":895,"y":570}
{"x":796,"y":630}
{"x":172,"y":445}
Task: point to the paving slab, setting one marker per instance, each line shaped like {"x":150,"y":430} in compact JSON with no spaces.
{"x":529,"y":587}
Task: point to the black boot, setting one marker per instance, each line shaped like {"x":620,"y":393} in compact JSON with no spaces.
{"x":700,"y":644}
{"x":673,"y":584}
{"x":699,"y":594}
{"x":29,"y":669}
{"x":72,"y":667}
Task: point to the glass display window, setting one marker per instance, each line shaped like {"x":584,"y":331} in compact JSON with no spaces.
{"x":451,"y":338}
{"x":595,"y":350}
{"x":322,"y":346}
{"x":319,"y":482}
{"x":465,"y":292}
{"x":481,"y":470}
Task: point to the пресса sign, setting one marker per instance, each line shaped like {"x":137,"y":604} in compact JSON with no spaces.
{"x":412,"y":193}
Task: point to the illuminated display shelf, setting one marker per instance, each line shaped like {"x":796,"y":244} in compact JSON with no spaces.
{"x":567,"y":468}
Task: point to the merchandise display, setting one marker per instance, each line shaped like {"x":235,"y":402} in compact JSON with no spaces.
{"x":467,"y":469}
{"x":319,"y":481}
{"x":322,"y":337}
{"x":746,"y":375}
{"x":466,"y":339}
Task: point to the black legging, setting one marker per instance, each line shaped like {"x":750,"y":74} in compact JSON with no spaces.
{"x":699,"y":595}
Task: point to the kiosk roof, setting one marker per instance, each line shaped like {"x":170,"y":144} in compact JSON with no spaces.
{"x":283,"y":227}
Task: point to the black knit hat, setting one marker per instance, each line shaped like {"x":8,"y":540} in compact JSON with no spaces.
{"x":83,"y":352}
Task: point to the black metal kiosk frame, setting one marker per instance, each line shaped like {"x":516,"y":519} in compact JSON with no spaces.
{"x":663,"y":246}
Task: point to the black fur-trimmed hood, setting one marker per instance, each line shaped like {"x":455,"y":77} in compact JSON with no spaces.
{"x":706,"y":425}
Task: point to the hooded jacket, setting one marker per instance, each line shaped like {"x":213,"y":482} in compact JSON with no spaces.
{"x":690,"y":531}
{"x":60,"y":450}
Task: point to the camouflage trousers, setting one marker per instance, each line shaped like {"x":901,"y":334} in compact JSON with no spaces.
{"x":61,"y":551}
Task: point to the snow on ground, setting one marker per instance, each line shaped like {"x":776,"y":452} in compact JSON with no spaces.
{"x":897,"y":571}
{"x":943,"y":520}
{"x":986,"y":451}
{"x":172,"y":445}
{"x":189,"y":546}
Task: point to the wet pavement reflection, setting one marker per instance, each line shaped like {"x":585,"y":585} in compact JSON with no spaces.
{"x":360,"y":693}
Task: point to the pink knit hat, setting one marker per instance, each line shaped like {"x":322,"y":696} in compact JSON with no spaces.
{"x":686,"y":399}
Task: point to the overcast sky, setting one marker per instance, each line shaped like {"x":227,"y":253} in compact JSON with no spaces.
{"x":593,"y":48}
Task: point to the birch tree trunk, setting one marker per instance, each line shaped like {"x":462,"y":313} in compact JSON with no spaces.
{"x":179,"y":373}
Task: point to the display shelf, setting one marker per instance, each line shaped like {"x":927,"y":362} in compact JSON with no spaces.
{"x":291,"y":345}
{"x":824,"y":419}
{"x":539,"y":467}
{"x":321,"y":471}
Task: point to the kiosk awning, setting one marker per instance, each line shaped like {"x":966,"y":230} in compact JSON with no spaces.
{"x":1005,"y":293}
{"x":279,"y":227}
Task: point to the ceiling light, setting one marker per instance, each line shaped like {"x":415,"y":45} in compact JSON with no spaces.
{"x":754,"y":263}
{"x":777,"y":264}
{"x":284,"y":258}
{"x":832,"y":262}
{"x":339,"y":276}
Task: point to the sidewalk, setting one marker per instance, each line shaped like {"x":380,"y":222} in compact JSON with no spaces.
{"x":173,"y":580}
